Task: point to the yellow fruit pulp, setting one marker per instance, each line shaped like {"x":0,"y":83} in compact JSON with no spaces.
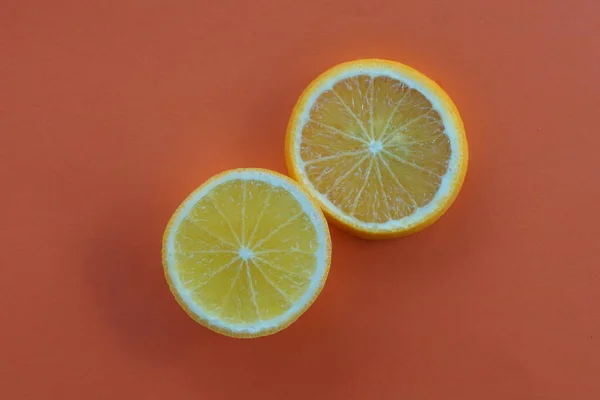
{"x":246,"y":251}
{"x":375,"y":148}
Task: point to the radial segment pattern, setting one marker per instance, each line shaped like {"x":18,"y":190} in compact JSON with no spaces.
{"x":246,"y":251}
{"x":375,"y":148}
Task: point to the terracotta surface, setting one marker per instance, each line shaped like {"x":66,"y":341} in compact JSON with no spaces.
{"x":111,"y":112}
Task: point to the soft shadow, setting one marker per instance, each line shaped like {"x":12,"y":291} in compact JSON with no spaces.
{"x":442,"y":249}
{"x":124,"y":272}
{"x":318,"y":352}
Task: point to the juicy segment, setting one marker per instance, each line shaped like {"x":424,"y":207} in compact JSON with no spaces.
{"x":375,"y":148}
{"x":246,"y":252}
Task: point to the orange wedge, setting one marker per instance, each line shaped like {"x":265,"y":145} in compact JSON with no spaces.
{"x":247,"y":253}
{"x":380,"y":146}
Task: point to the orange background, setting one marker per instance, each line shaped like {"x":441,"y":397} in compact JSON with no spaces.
{"x":111,"y":112}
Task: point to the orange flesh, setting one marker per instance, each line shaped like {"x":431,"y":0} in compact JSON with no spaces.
{"x":375,"y":148}
{"x":265,"y":220}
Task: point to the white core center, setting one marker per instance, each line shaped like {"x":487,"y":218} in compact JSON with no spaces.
{"x":245,"y":253}
{"x":375,"y":146}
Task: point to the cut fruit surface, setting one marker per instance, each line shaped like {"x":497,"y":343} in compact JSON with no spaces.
{"x":247,"y":253}
{"x":379,"y":145}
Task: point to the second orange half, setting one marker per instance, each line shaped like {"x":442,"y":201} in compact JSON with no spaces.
{"x":380,"y":146}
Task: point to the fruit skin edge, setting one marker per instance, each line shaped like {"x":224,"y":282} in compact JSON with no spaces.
{"x":218,"y":329}
{"x":406,"y":70}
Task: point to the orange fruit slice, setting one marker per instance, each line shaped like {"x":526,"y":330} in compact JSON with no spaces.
{"x":247,"y":253}
{"x":380,"y":146}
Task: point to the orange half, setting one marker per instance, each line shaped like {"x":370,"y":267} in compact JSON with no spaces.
{"x":380,"y":146}
{"x":247,"y":253}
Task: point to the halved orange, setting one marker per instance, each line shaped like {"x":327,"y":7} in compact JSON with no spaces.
{"x":247,"y":253}
{"x":380,"y":146}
